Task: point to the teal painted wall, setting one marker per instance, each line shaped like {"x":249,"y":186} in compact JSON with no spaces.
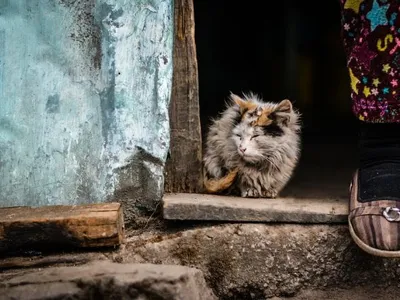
{"x":84,"y":94}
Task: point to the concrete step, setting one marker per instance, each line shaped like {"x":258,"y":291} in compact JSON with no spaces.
{"x":206,"y":207}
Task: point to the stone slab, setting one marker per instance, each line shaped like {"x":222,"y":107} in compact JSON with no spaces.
{"x":107,"y":280}
{"x":206,"y":207}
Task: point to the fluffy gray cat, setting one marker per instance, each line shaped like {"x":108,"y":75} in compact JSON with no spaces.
{"x":253,"y":147}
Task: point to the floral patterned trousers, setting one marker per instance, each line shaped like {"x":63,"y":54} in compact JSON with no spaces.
{"x":371,"y":37}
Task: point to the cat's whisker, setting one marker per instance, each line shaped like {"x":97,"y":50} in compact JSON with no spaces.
{"x":272,"y":163}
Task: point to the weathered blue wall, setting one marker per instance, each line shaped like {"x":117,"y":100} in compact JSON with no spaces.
{"x":84,"y":94}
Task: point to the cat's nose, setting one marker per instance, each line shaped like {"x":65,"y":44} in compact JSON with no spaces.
{"x":242,"y":149}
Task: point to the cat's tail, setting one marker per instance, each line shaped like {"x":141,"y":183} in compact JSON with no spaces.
{"x":216,"y":185}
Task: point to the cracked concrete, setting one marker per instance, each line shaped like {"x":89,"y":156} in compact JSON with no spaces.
{"x":256,"y":261}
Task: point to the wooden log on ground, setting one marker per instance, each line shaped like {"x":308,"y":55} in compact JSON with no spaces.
{"x":61,"y":227}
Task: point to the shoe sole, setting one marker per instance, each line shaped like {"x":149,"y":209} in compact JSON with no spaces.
{"x":369,"y":249}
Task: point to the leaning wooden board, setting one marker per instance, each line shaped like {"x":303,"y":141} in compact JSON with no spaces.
{"x":58,"y":227}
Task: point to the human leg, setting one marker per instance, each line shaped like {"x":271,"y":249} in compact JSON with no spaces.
{"x":371,"y":37}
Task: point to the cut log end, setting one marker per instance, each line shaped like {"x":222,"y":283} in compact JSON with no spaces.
{"x":61,"y":226}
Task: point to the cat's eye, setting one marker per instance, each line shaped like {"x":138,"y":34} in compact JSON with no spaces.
{"x":238,"y":135}
{"x":254,"y":136}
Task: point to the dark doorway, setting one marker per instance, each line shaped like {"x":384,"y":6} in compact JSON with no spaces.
{"x":284,"y":50}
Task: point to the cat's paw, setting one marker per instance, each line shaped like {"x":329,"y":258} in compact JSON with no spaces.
{"x":270,"y":193}
{"x":250,"y":193}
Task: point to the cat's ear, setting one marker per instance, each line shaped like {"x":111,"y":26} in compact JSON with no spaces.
{"x":284,"y":106}
{"x":282,"y":112}
{"x":244,"y":105}
{"x":237,"y":100}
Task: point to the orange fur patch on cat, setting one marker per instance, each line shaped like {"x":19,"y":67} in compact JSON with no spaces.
{"x":244,"y":106}
{"x":220,"y":184}
{"x":264,"y":118}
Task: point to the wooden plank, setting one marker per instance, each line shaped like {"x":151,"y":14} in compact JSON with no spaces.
{"x":205,"y":207}
{"x":183,"y":170}
{"x":61,"y":226}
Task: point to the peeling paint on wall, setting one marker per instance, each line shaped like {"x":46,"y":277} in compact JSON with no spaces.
{"x":85,"y":88}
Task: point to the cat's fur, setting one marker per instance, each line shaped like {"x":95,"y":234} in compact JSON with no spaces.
{"x":269,"y":133}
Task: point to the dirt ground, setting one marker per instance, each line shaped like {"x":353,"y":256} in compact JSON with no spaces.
{"x":390,"y":293}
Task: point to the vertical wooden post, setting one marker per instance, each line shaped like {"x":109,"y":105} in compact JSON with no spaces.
{"x":183,"y":170}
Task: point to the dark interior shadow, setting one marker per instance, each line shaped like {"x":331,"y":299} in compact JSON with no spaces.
{"x":285,"y":51}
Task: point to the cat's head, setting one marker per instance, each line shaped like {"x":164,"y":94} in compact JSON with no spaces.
{"x":265,"y":129}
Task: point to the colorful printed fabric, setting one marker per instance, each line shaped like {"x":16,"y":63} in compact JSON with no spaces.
{"x":371,"y":36}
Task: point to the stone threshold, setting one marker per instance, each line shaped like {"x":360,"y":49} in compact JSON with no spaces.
{"x":206,"y":207}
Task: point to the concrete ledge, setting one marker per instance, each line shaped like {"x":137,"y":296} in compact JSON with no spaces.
{"x":185,"y":206}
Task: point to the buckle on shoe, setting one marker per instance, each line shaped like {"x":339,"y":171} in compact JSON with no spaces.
{"x":392,"y":214}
